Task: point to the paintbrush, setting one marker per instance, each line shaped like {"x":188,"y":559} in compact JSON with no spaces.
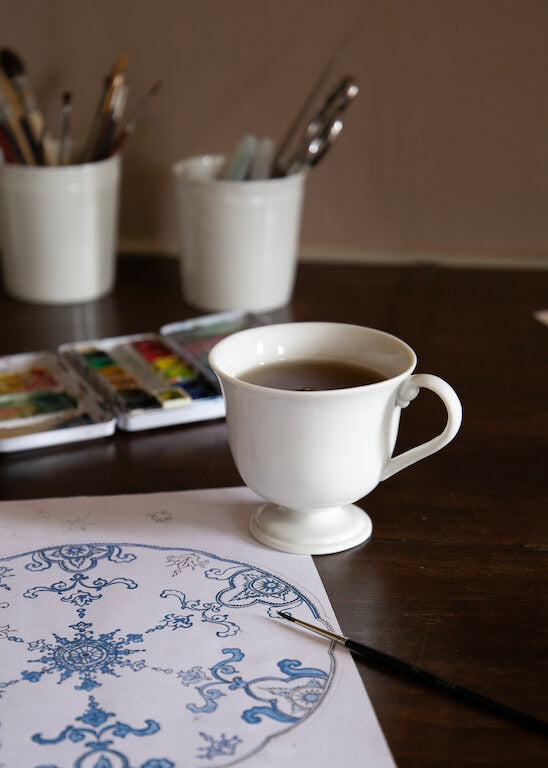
{"x":425,"y":677}
{"x":65,"y":144}
{"x":14,"y":117}
{"x":111,"y":121}
{"x":117,"y":76}
{"x":87,"y":152}
{"x":116,"y":83}
{"x":131,"y":125}
{"x":261,"y":166}
{"x":32,"y":118}
{"x":8,"y":143}
{"x":239,"y":164}
{"x":102,"y":119}
{"x":108,"y":118}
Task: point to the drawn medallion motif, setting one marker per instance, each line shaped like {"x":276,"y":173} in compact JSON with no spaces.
{"x":150,"y":657}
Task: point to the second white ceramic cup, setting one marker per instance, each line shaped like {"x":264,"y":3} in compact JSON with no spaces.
{"x":59,"y":229}
{"x":238,"y":239}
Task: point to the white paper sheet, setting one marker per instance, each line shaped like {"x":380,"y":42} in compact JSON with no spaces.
{"x":141,"y":632}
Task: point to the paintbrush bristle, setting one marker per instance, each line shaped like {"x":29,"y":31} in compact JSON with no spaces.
{"x":122,"y":63}
{"x":286,"y":615}
{"x":11,"y":63}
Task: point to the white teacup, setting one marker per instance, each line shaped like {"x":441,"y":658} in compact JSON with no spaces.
{"x":311,"y":454}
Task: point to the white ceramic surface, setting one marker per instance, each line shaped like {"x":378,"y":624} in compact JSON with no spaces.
{"x":310,"y":455}
{"x":238,"y":239}
{"x":58,"y":230}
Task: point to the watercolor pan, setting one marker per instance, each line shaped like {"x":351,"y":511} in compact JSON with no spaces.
{"x":145,"y":381}
{"x":195,"y":338}
{"x":44,"y":402}
{"x":159,"y":379}
{"x":88,"y":389}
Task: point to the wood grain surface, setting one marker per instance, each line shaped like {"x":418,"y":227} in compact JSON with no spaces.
{"x":454,"y":578}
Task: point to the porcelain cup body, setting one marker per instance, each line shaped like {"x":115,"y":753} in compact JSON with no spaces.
{"x":238,"y":239}
{"x":59,"y":230}
{"x":321,"y":449}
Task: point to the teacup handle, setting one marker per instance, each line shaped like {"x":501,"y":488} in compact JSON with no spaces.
{"x":408,"y":390}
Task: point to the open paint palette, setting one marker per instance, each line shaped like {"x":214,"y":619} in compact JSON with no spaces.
{"x":88,"y":389}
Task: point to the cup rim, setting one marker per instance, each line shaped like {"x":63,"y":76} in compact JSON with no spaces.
{"x":223,"y":374}
{"x":68,"y":168}
{"x":215,"y":161}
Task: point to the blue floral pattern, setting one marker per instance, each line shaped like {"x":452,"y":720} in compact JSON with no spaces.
{"x":79,"y":591}
{"x":78,"y":557}
{"x":95,"y":730}
{"x":232,"y":697}
{"x":84,"y":655}
{"x":5,"y":573}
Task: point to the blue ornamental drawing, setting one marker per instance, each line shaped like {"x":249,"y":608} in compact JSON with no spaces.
{"x":148,"y":654}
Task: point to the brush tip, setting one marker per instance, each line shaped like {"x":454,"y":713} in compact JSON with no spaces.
{"x":11,"y":63}
{"x":286,"y":615}
{"x":122,"y":62}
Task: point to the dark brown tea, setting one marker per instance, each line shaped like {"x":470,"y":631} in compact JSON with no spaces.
{"x":311,"y":375}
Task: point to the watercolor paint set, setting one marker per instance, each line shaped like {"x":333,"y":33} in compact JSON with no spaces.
{"x":88,"y":389}
{"x":43,"y":402}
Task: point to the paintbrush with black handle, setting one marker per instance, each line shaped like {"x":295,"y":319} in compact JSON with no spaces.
{"x":425,"y":677}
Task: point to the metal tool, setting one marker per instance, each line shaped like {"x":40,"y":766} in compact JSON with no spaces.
{"x":336,"y":102}
{"x":287,"y":145}
{"x":323,"y":128}
{"x":315,"y":146}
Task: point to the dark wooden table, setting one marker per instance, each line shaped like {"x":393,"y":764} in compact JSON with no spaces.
{"x":454,"y":578}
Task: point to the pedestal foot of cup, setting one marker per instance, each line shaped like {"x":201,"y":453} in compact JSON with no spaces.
{"x":311,"y":532}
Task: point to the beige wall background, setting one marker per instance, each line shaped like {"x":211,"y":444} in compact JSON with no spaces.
{"x":443,"y":153}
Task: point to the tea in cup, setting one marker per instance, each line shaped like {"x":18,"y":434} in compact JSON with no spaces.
{"x":312,"y":412}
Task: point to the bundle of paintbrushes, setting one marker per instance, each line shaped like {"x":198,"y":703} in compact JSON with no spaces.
{"x":301,"y":148}
{"x":24,"y":135}
{"x":310,"y":135}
